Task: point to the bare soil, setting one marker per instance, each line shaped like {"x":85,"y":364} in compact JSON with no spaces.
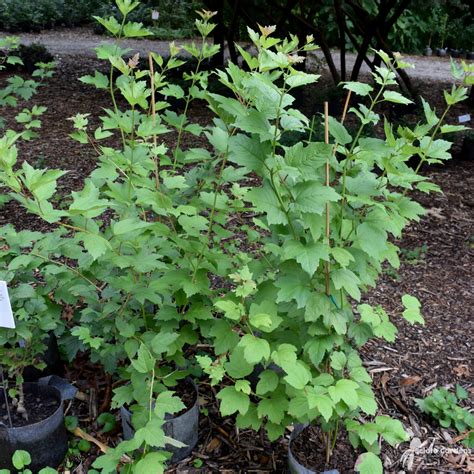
{"x":37,"y":409}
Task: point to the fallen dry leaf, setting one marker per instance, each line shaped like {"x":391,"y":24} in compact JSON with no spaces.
{"x":462,"y":370}
{"x":414,"y":379}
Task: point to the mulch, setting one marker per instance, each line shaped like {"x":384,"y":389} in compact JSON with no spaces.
{"x":437,"y":267}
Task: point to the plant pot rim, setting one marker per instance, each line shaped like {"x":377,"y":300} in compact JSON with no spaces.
{"x":293,"y":464}
{"x":54,"y":391}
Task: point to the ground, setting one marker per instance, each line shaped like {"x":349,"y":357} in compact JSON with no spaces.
{"x":437,"y":267}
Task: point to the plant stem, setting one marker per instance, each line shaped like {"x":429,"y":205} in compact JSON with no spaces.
{"x":72,"y":269}
{"x":186,"y":106}
{"x":328,"y":229}
{"x":7,"y":405}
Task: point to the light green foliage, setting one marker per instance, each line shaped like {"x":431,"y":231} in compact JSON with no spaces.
{"x":444,"y":407}
{"x":137,"y":252}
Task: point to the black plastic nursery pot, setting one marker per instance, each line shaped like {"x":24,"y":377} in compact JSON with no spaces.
{"x":467,"y":150}
{"x":294,"y":466}
{"x":183,"y":428}
{"x":46,"y":440}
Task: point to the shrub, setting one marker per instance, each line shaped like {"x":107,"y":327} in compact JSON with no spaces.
{"x":156,"y":272}
{"x":36,"y":314}
{"x":32,"y":54}
{"x":34,"y":15}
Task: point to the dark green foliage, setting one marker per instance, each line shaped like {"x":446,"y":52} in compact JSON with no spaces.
{"x":33,"y":54}
{"x":34,"y":15}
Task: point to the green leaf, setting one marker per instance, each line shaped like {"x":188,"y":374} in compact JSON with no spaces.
{"x":110,"y":24}
{"x":312,"y":197}
{"x":342,"y":256}
{"x":297,"y":374}
{"x":133,"y":29}
{"x":232,"y":310}
{"x":225,"y":338}
{"x":87,"y":203}
{"x":193,"y":225}
{"x":338,"y":360}
{"x":300,"y":78}
{"x":369,"y":463}
{"x":21,"y":459}
{"x":168,"y":403}
{"x":345,"y":390}
{"x":265,"y":200}
{"x":162,"y":341}
{"x":292,"y":288}
{"x":255,"y":122}
{"x":308,"y":256}
{"x":107,"y":421}
{"x":243,"y":386}
{"x":359,"y":374}
{"x":99,"y":80}
{"x":346,"y":279}
{"x":96,"y":245}
{"x":285,"y":354}
{"x":233,"y":401}
{"x":366,"y":400}
{"x":412,"y":310}
{"x":322,"y":402}
{"x":391,"y":430}
{"x":359,"y":88}
{"x":273,"y":408}
{"x":152,"y":463}
{"x":129,"y":225}
{"x":255,"y":349}
{"x":461,"y":392}
{"x":152,"y":433}
{"x":396,"y":97}
{"x":339,"y":132}
{"x":368,"y":432}
{"x":372,"y":239}
{"x":238,"y":367}
{"x":268,"y":382}
{"x":144,"y":363}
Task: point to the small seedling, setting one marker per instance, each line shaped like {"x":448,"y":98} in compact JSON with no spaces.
{"x":416,"y":255}
{"x":444,"y":407}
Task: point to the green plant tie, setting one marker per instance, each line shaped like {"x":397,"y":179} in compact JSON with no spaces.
{"x":334,"y":301}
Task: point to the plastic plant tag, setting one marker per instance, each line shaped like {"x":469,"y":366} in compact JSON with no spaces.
{"x":6,"y":315}
{"x":464,"y":118}
{"x":155,"y":15}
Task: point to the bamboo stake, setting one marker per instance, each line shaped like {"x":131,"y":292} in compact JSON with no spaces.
{"x":326,"y":140}
{"x":103,"y":447}
{"x":153,"y":114}
{"x":346,"y":105}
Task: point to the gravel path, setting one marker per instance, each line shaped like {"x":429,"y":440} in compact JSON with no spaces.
{"x":82,"y":41}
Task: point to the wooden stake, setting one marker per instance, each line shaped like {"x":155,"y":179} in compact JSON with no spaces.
{"x":326,"y":140}
{"x":346,"y":105}
{"x":153,"y":114}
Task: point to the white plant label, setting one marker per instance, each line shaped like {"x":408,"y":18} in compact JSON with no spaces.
{"x":464,"y":118}
{"x":155,"y":15}
{"x":6,"y":314}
